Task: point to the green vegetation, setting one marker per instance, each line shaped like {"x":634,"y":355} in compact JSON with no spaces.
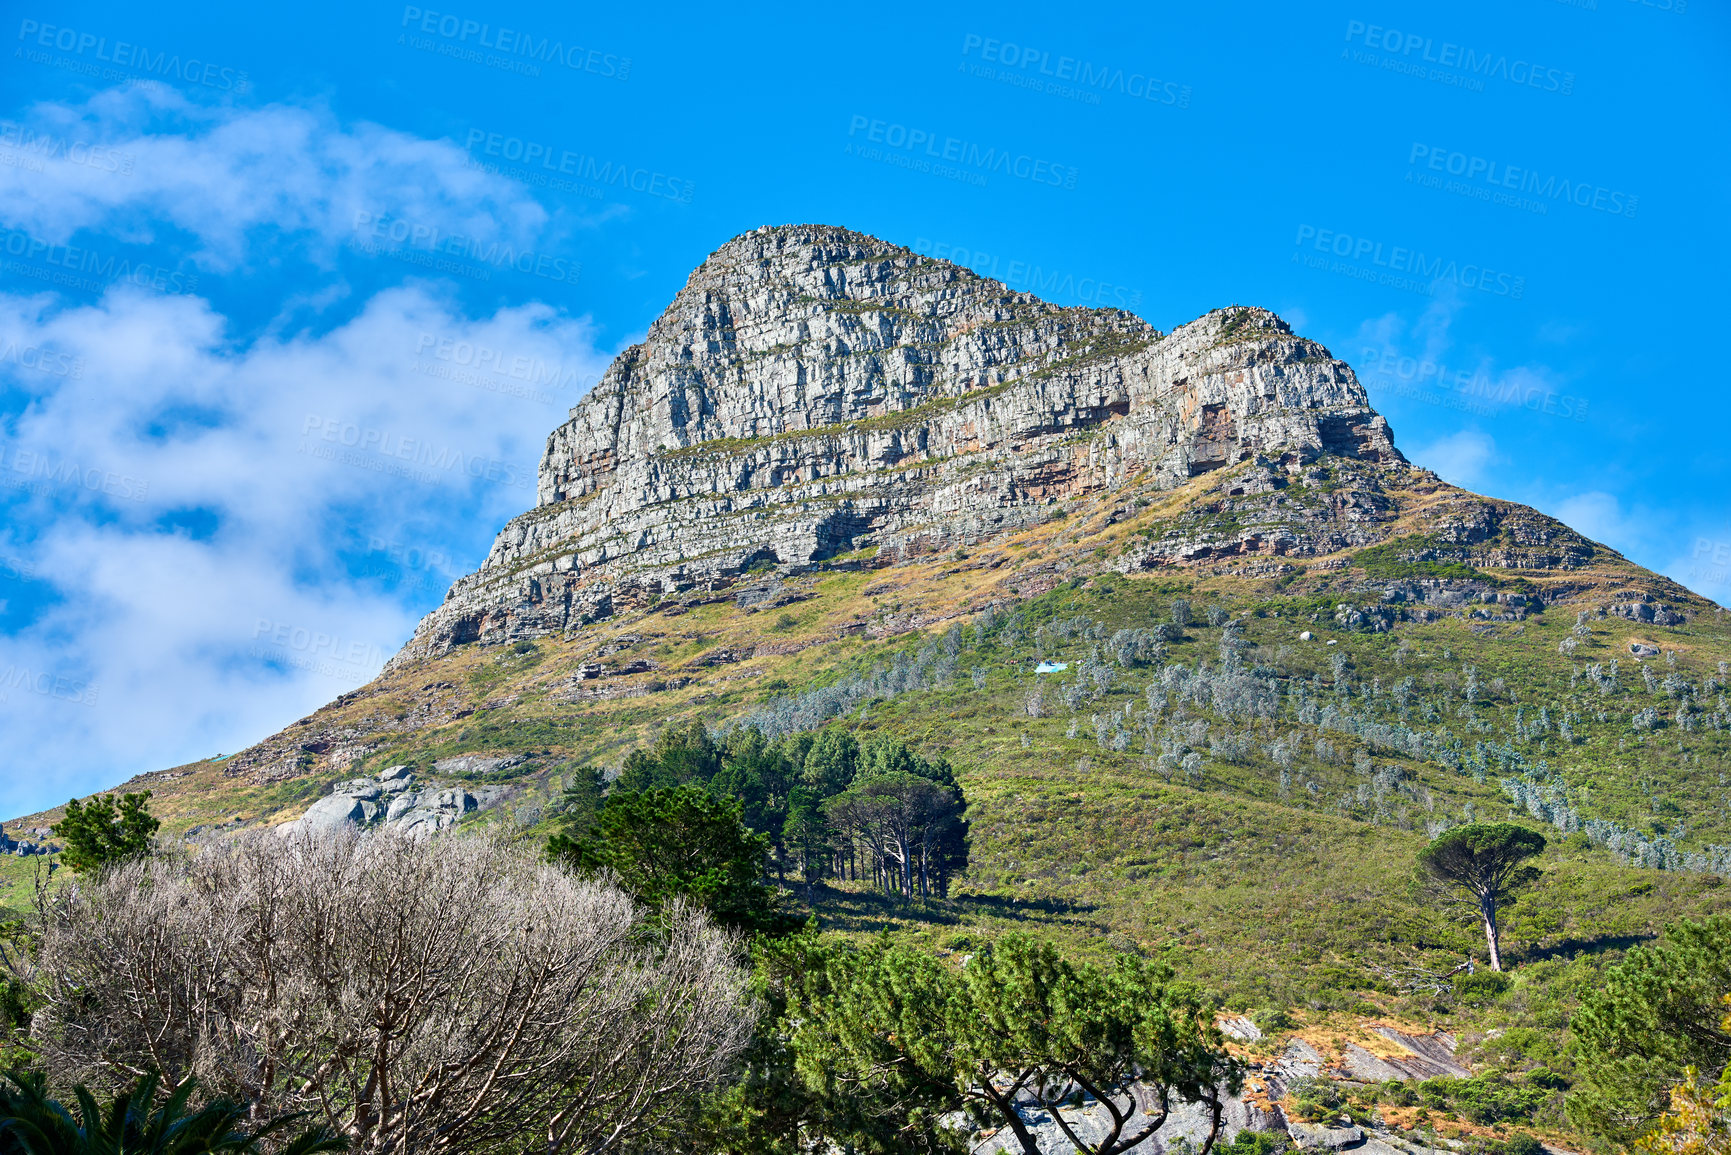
{"x":673,"y":842}
{"x":881,"y":1044}
{"x":1487,"y":860}
{"x":1657,"y":1021}
{"x":1390,"y":561}
{"x":1200,"y":788}
{"x":99,"y":834}
{"x":31,"y":1123}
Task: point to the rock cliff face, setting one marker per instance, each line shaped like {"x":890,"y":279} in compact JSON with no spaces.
{"x":812,"y":392}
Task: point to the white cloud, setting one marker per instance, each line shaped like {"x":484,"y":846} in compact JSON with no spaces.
{"x":1600,"y":516}
{"x":291,"y":457}
{"x":1420,"y":362}
{"x":209,"y":532}
{"x":225,"y":175}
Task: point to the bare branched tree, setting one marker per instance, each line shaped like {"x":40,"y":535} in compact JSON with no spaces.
{"x":456,"y":995}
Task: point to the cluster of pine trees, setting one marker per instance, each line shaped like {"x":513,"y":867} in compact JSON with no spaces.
{"x":816,"y":805}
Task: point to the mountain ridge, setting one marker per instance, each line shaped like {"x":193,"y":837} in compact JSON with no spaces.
{"x":812,"y":390}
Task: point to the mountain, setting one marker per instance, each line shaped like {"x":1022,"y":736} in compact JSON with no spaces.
{"x":813,"y":391}
{"x":842,"y":481}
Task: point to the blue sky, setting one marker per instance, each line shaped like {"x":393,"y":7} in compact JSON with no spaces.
{"x":290,"y":298}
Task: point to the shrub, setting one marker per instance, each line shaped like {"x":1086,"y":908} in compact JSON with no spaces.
{"x":1480,"y":987}
{"x":343,"y":975}
{"x":1314,"y":1100}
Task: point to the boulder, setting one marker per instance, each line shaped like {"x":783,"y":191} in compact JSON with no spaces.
{"x":1321,"y":1136}
{"x":423,"y":823}
{"x":331,"y":812}
{"x":396,"y":773}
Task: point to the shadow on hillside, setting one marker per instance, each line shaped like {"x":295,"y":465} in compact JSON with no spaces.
{"x":1571,"y":948}
{"x":1001,"y":906}
{"x":866,"y":911}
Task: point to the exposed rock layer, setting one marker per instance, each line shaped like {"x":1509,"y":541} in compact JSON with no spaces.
{"x":814,"y":391}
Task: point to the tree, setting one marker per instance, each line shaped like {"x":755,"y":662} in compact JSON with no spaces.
{"x":681,"y":756}
{"x":579,"y":801}
{"x":1486,"y":859}
{"x":677,"y":843}
{"x":756,"y":773}
{"x":807,"y":835}
{"x":770,"y":1110}
{"x":98,"y":834}
{"x":33,"y":1124}
{"x":446,"y":996}
{"x":907,"y":822}
{"x":1658,"y":1015}
{"x":830,"y":761}
{"x":904,"y":812}
{"x":1017,"y":1023}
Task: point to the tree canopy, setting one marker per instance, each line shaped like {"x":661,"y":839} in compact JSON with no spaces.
{"x":1659,"y":1014}
{"x":1487,"y":860}
{"x":99,"y":834}
{"x":673,"y":842}
{"x":897,"y":1027}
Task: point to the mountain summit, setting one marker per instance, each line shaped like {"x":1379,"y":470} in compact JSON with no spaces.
{"x":812,"y":392}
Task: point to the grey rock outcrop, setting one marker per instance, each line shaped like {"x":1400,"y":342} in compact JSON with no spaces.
{"x":813,"y":391}
{"x":1321,"y":1136}
{"x":396,"y":801}
{"x":24,"y":847}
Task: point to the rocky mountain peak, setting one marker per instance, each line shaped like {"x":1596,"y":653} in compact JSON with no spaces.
{"x":813,"y":391}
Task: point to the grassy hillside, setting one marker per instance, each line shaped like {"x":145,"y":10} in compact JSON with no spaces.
{"x":1209,"y":786}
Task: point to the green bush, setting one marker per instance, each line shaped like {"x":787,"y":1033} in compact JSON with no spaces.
{"x":1314,"y":1100}
{"x":1255,"y":1143}
{"x":1480,"y":987}
{"x":1484,"y":1099}
{"x":1519,"y":1145}
{"x":1272,"y":1020}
